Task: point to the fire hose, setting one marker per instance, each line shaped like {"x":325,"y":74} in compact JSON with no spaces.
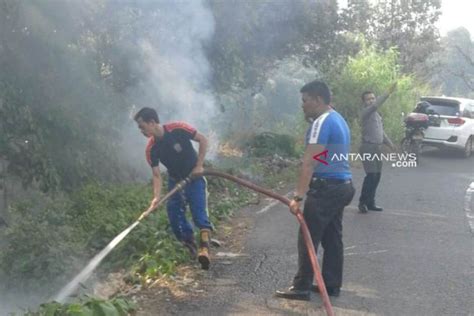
{"x":86,"y":272}
{"x":299,"y":216}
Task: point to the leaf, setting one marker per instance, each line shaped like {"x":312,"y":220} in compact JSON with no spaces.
{"x":79,"y":310}
{"x":108,"y":309}
{"x":50,"y":309}
{"x":123,"y":306}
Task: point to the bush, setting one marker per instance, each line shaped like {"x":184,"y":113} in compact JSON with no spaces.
{"x":88,"y":307}
{"x":40,"y":248}
{"x":268,"y":144}
{"x":375,"y":70}
{"x":46,"y":246}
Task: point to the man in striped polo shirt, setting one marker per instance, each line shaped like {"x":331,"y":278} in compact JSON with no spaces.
{"x":328,"y":188}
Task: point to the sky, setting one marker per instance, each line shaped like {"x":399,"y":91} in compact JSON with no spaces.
{"x":456,"y":13}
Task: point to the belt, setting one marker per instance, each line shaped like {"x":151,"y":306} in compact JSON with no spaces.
{"x":331,"y":181}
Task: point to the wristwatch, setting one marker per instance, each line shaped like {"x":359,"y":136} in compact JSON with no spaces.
{"x":297,"y":198}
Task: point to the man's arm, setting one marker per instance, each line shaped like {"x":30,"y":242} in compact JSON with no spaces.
{"x":156,"y":180}
{"x":306,"y":173}
{"x":203,"y":143}
{"x":307,"y":167}
{"x":378,"y":103}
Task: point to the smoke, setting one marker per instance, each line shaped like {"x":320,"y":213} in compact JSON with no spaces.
{"x":276,"y":107}
{"x":166,"y":53}
{"x":151,"y":53}
{"x":177,"y":73}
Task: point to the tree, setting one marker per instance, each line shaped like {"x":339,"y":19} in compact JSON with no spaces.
{"x":252,"y":36}
{"x":358,"y":17}
{"x":58,"y":122}
{"x":408,"y":25}
{"x":455,"y":64}
{"x":375,"y":70}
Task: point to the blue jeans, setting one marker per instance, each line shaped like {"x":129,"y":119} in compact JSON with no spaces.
{"x":194,"y":194}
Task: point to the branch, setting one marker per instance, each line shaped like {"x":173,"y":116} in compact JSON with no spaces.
{"x":468,"y":81}
{"x":466,"y":56}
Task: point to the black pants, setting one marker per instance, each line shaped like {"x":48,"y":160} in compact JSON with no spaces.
{"x":323,"y":214}
{"x":373,"y":173}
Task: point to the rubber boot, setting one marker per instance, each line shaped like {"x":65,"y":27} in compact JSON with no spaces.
{"x":203,"y":254}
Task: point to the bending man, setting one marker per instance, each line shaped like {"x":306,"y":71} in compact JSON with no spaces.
{"x":171,"y":145}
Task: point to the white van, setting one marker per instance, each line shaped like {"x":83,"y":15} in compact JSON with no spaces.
{"x":451,"y":123}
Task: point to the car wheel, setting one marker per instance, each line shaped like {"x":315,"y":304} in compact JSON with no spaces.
{"x":468,"y":147}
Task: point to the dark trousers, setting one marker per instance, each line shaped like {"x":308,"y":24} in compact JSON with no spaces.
{"x":323,"y":211}
{"x":373,"y":173}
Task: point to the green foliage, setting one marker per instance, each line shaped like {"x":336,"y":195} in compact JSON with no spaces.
{"x":275,"y":109}
{"x":39,"y":246}
{"x":410,"y":26}
{"x":376,"y":71}
{"x":268,"y":144}
{"x":45,"y":242}
{"x":164,"y":253}
{"x":161,"y":257}
{"x":88,"y":307}
{"x":226,"y":197}
{"x":252,"y":36}
{"x":59,"y":123}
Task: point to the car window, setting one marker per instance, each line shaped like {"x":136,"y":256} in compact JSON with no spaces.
{"x":469,"y":110}
{"x":443,"y":107}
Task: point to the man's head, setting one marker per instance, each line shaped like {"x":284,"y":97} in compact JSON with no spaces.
{"x":316,"y":99}
{"x":147,"y":120}
{"x":368,"y":97}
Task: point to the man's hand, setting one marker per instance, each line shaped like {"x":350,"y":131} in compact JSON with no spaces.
{"x":197,"y":171}
{"x":294,"y":207}
{"x":153,"y":204}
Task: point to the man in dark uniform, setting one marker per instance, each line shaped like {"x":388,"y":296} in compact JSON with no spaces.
{"x":373,"y":136}
{"x":171,"y":145}
{"x":330,"y":190}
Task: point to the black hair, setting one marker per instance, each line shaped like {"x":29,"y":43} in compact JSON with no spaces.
{"x":147,"y":115}
{"x":364,"y":94}
{"x":317,"y":88}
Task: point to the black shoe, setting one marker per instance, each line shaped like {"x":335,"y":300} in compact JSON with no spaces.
{"x":374,"y":208}
{"x":332,"y":291}
{"x":362,"y":208}
{"x":293,"y":294}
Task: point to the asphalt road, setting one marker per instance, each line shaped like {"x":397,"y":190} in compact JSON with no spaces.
{"x":414,"y":258}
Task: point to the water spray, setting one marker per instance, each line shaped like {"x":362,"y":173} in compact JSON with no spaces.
{"x":69,"y":289}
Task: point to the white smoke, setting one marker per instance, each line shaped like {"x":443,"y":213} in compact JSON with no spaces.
{"x":177,"y":73}
{"x":178,"y":83}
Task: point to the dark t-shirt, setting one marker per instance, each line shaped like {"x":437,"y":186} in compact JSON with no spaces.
{"x":174,"y":150}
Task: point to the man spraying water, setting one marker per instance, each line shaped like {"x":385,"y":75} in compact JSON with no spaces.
{"x":171,"y":145}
